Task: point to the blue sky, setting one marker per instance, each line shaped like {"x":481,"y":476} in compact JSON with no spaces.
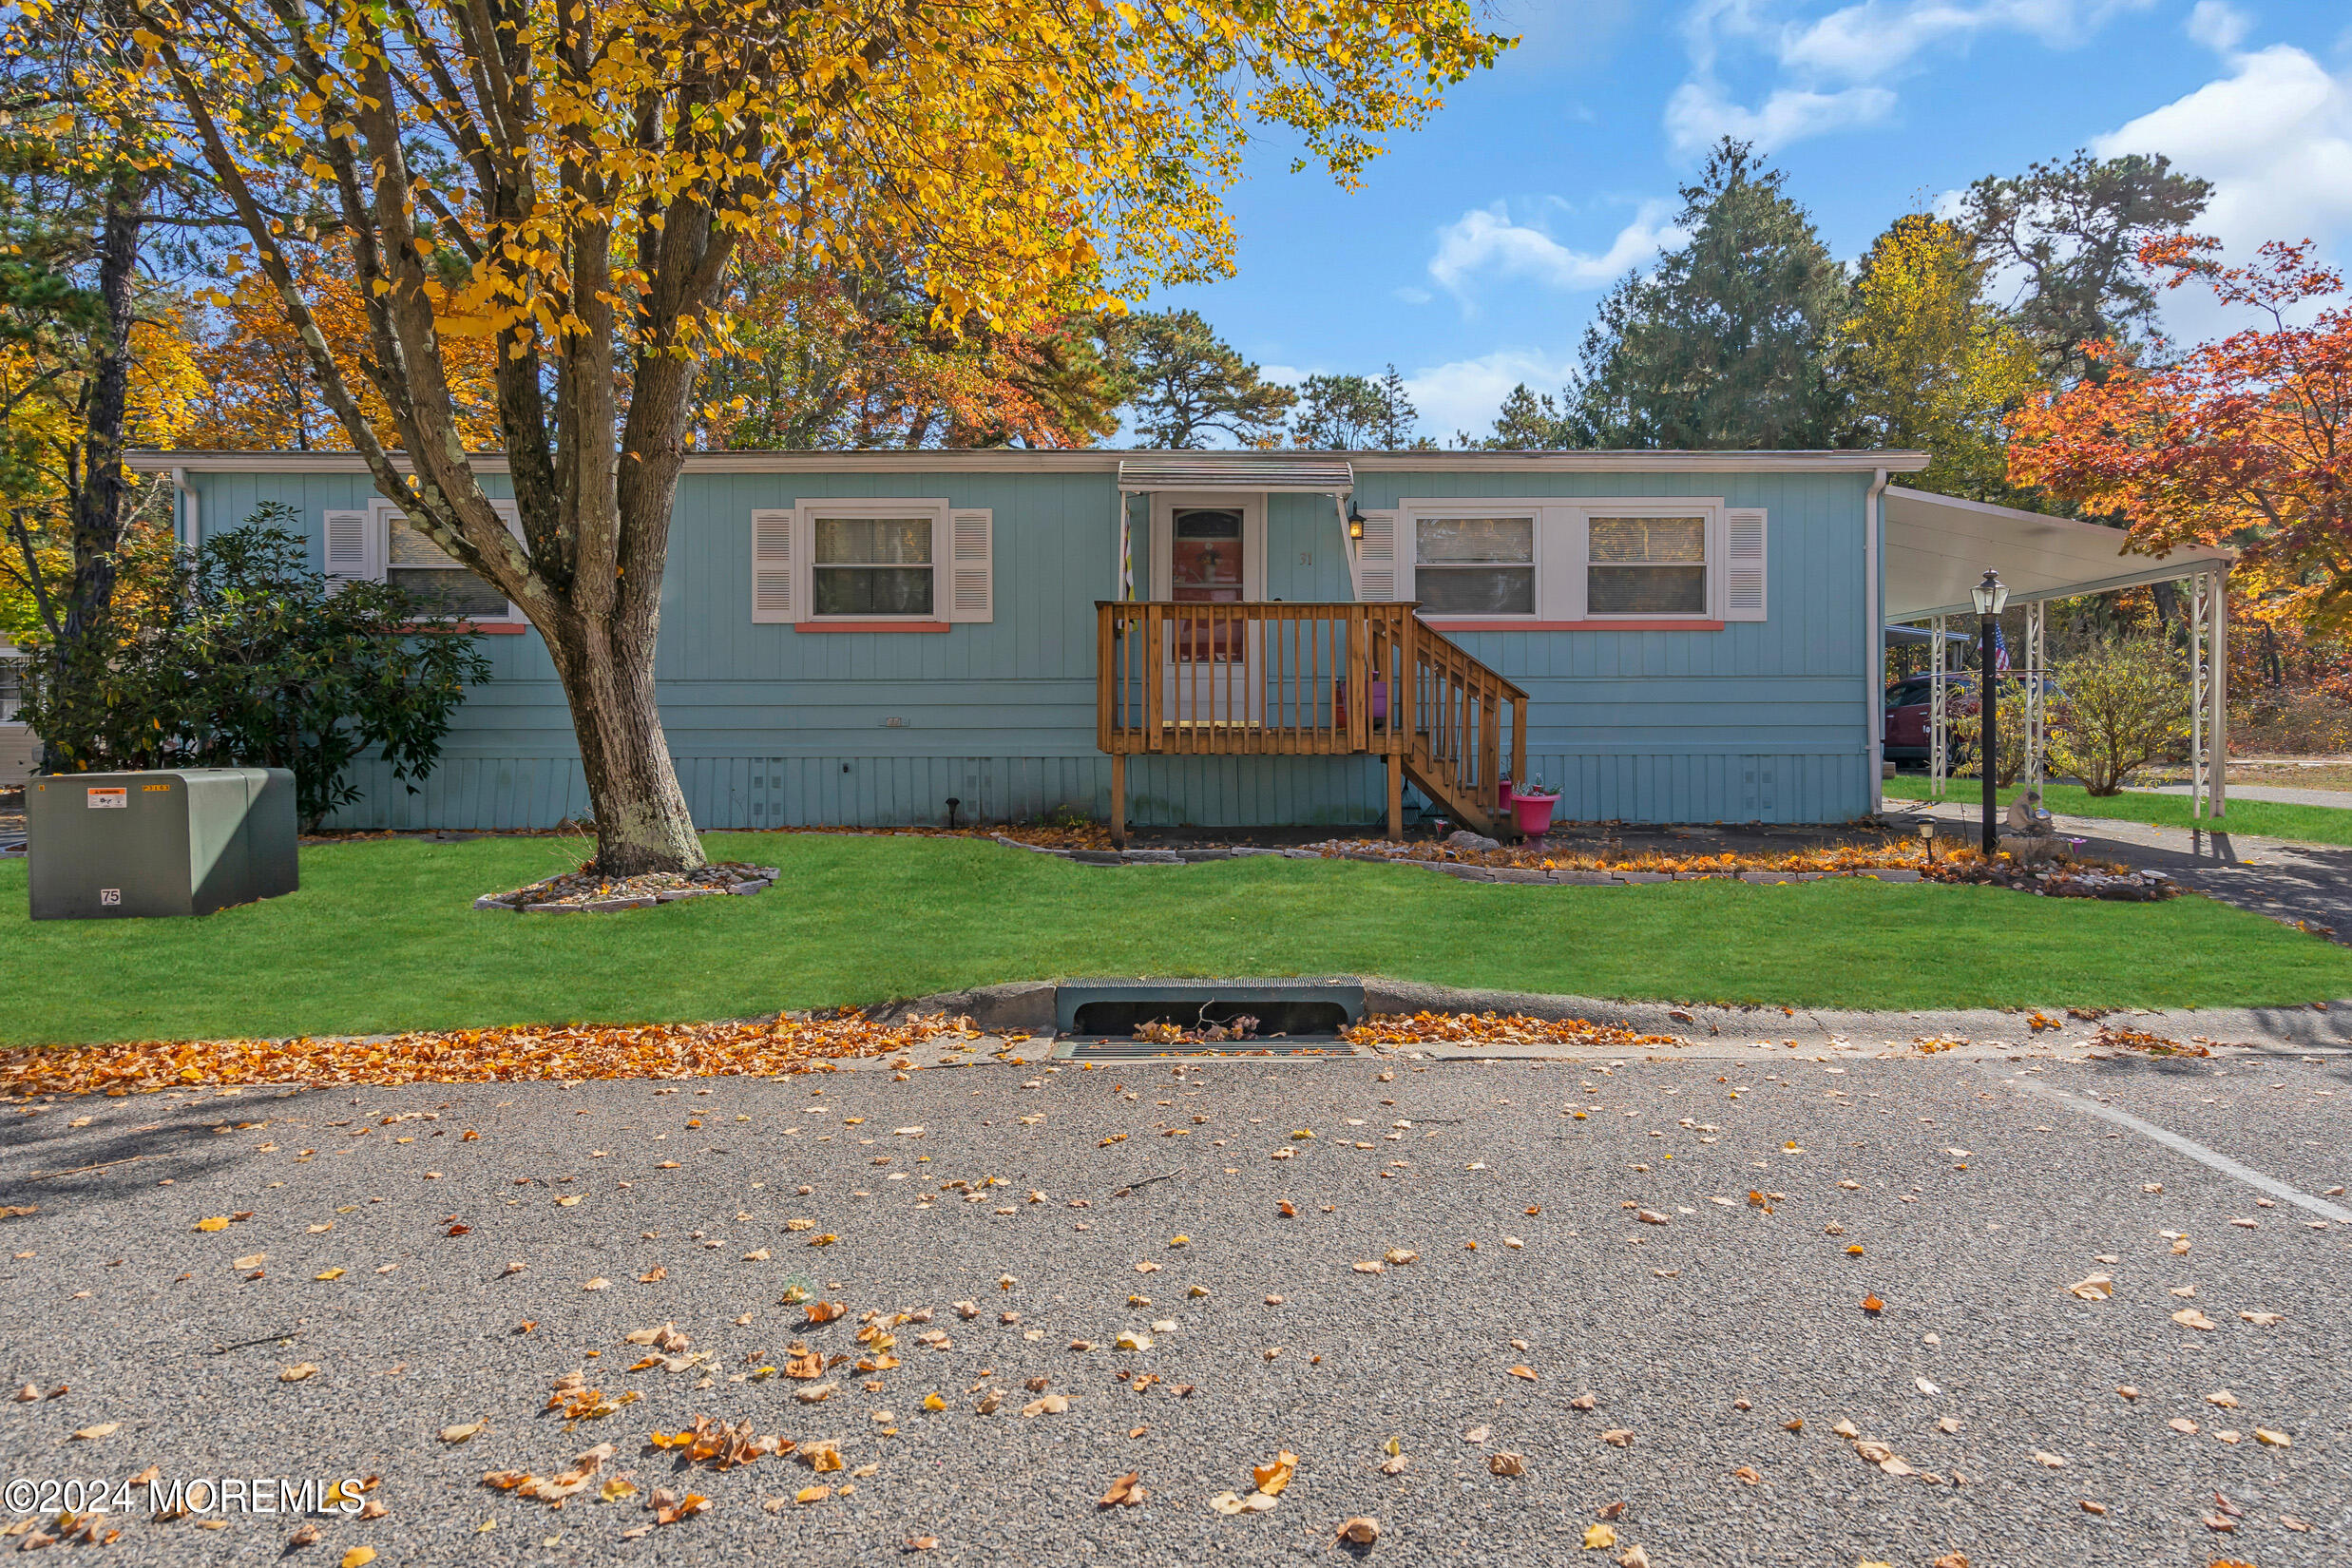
{"x":1474,"y":253}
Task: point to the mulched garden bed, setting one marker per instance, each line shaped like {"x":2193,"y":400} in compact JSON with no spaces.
{"x":2056,"y":879}
{"x":585,"y":891}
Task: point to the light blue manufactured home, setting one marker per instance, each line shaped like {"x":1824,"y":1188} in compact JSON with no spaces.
{"x":1227,"y":639}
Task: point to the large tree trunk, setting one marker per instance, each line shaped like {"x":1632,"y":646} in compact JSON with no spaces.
{"x":96,"y":500}
{"x":641,"y":821}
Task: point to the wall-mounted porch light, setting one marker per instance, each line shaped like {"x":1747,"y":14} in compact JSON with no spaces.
{"x":1355,"y":521}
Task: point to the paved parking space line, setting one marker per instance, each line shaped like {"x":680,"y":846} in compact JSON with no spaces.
{"x":2194,"y":1150}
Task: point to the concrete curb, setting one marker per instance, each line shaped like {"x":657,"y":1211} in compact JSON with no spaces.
{"x":1029,"y":1007}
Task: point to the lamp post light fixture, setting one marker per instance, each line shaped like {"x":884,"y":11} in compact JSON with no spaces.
{"x":1992,"y":596}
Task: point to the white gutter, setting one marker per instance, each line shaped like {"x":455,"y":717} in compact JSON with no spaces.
{"x":1873,"y":707}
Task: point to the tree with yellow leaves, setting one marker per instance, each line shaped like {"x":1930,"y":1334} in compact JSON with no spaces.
{"x":569,"y":181}
{"x":1929,"y":363}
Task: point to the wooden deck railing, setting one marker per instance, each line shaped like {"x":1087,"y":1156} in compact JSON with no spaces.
{"x":1306,"y":679}
{"x":1464,"y":709}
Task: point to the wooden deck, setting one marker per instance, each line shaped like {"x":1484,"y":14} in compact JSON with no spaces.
{"x":1290,"y":679}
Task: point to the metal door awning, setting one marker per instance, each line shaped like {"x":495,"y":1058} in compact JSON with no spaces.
{"x":1287,"y":474}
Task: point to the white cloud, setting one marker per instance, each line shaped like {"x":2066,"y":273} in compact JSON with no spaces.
{"x":1413,"y":297}
{"x":2220,"y":28}
{"x":1834,"y":67}
{"x":1466,"y":394}
{"x":1484,"y":240}
{"x":1698,"y":115}
{"x":2274,"y":136}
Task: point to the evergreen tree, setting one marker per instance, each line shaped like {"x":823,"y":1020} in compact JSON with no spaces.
{"x":1528,"y":422}
{"x":1357,"y":413}
{"x":1187,"y":384}
{"x":2073,"y":232}
{"x":1721,"y":345}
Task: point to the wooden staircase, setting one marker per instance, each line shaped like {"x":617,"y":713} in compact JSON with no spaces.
{"x":1326,"y":680}
{"x":1455,"y":713}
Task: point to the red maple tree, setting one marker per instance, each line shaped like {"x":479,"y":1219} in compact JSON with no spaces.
{"x":2241,"y":442}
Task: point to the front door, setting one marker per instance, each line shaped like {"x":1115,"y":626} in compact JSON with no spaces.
{"x":1211,"y":553}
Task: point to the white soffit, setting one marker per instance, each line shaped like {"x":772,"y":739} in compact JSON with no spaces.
{"x":1938,"y":548}
{"x":1256,"y":473}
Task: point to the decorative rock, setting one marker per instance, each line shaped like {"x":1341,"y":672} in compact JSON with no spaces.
{"x":759,"y":887}
{"x":1151,"y":857}
{"x":1645,"y":876}
{"x":1462,"y":838}
{"x":1892,"y":875}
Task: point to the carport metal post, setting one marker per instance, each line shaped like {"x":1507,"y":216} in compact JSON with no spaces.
{"x":2209,"y":680}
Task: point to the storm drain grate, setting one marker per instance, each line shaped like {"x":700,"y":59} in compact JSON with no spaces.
{"x":1139,"y":1050}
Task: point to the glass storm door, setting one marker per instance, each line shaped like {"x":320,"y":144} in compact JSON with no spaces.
{"x":1211,"y":662}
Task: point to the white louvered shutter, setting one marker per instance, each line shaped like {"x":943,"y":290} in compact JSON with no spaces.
{"x":1375,"y":564}
{"x":354,"y":549}
{"x":1743,"y":565}
{"x":772,"y":566}
{"x":971,"y":570}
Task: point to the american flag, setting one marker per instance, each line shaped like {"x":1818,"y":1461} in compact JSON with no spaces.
{"x":2001,"y":648}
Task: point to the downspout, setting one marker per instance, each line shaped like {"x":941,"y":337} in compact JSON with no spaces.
{"x":185,"y":515}
{"x":1874,"y":715}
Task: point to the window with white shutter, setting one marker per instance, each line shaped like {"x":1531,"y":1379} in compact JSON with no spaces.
{"x":1373,"y":562}
{"x":772,"y":566}
{"x":1743,"y":566}
{"x":405,"y":557}
{"x":972,"y":589}
{"x":352,"y":555}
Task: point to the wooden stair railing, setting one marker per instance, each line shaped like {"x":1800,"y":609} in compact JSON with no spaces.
{"x":1458,"y":708}
{"x":1336,"y":679}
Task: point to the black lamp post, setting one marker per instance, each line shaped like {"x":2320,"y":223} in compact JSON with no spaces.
{"x":1992,"y":596}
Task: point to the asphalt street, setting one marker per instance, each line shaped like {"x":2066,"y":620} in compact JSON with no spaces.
{"x":1961,"y":1202}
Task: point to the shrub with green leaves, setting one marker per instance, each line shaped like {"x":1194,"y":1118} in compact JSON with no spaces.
{"x":250,"y":659}
{"x":2124,"y":704}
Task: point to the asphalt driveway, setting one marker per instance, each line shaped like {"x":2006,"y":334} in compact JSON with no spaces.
{"x":1962,"y":1203}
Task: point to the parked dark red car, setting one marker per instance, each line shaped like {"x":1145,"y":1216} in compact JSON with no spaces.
{"x":1907,"y":704}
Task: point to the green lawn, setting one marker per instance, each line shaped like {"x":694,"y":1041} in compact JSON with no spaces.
{"x":2263,"y":818}
{"x":381,"y":937}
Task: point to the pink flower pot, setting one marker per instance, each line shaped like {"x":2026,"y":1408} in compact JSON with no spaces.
{"x":1502,"y":795}
{"x":1533,"y":812}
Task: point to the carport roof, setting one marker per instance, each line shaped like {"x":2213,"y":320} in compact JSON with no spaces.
{"x":1938,"y":548}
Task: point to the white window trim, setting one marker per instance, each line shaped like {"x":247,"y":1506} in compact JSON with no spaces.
{"x":804,"y":553}
{"x":1580,"y":534}
{"x":1562,"y":551}
{"x":380,"y":514}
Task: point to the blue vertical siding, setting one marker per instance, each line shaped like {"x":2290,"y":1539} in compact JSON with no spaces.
{"x":775,"y":727}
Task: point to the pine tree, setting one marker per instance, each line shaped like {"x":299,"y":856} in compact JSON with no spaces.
{"x":1721,"y":345}
{"x":1188,"y":383}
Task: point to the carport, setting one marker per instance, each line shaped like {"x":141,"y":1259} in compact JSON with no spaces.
{"x":1938,"y":549}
